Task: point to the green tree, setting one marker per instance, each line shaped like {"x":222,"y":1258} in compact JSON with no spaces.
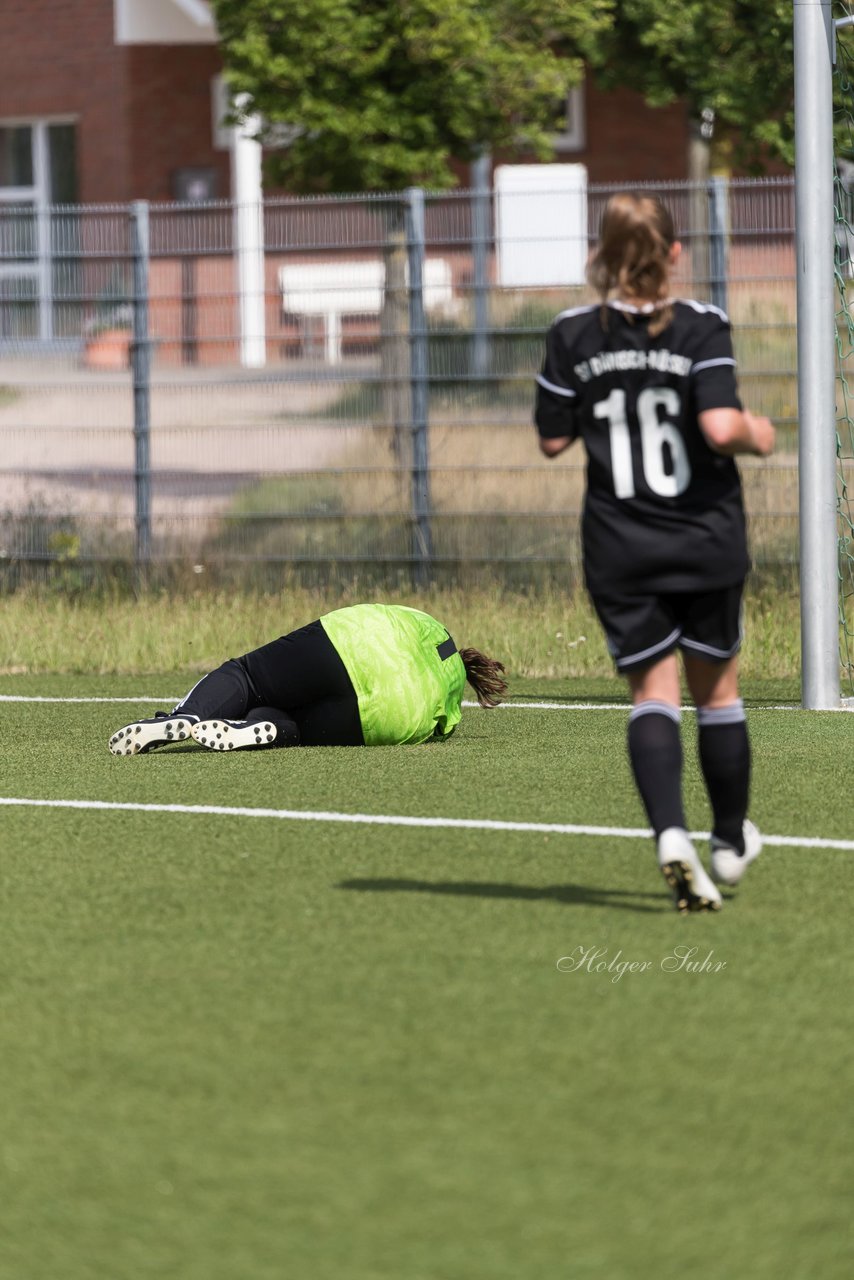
{"x":734,"y":57}
{"x":380,"y":94}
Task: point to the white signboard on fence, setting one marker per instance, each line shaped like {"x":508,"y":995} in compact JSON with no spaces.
{"x":541,"y":224}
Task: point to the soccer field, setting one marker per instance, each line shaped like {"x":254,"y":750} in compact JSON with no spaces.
{"x":241,"y":1042}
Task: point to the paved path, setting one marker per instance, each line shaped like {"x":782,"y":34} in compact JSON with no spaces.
{"x":67,"y":434}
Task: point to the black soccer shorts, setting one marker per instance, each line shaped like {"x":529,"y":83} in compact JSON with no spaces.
{"x":641,"y":629}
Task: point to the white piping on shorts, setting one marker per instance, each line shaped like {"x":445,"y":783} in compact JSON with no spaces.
{"x":651,"y":651}
{"x":723,"y":654}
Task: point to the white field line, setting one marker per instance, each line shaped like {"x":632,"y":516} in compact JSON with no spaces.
{"x":505,"y":706}
{"x":143,"y":697}
{"x":401,"y":820}
{"x":170,"y":701}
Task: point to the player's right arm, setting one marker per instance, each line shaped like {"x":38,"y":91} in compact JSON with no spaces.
{"x":732,"y":431}
{"x":551,"y":446}
{"x":556,"y":395}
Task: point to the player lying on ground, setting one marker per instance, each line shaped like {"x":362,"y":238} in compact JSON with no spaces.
{"x":368,"y":675}
{"x":648,"y":382}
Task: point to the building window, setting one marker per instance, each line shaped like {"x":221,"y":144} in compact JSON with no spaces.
{"x":38,"y":162}
{"x":572,"y":136}
{"x":16,"y":155}
{"x":62,"y":159}
{"x":39,"y":254}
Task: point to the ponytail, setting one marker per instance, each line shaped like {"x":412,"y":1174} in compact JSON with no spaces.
{"x":633,"y":254}
{"x":485,"y":676}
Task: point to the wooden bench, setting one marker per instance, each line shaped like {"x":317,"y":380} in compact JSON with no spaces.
{"x":333,"y":290}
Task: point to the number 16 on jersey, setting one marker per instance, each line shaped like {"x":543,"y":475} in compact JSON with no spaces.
{"x":659,"y":409}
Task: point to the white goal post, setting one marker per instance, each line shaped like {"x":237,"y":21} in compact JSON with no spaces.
{"x":814,"y":36}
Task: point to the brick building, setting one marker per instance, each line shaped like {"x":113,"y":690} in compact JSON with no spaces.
{"x":104,"y":102}
{"x":114,"y":95}
{"x":117,"y":100}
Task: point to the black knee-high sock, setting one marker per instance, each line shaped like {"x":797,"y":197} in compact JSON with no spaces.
{"x":655,"y":752}
{"x":225,"y":692}
{"x":287,"y":730}
{"x":724,"y":749}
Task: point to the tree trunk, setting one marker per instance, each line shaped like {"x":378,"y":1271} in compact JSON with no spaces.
{"x":394,"y":340}
{"x":699,"y":164}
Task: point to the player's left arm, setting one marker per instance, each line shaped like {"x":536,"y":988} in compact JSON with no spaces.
{"x":727,"y":428}
{"x":734,"y":431}
{"x":713,"y":366}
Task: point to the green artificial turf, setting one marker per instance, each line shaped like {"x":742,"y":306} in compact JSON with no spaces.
{"x":250,"y":1047}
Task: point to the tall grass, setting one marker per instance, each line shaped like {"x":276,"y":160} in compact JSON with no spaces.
{"x":545,"y":634}
{"x":493,"y":497}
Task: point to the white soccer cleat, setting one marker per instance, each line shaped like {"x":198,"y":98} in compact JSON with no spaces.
{"x":684,"y":872}
{"x":234,"y":735}
{"x":728,"y":865}
{"x":141,"y":736}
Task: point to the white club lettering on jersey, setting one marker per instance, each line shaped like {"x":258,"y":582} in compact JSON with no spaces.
{"x":658,"y":413}
{"x":661,"y":360}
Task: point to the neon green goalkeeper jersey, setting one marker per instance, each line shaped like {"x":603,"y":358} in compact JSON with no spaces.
{"x":405,"y":670}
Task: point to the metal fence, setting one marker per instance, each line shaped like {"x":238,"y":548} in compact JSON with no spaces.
{"x":342,"y":381}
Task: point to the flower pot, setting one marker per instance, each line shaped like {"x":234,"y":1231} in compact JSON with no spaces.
{"x":109,"y":349}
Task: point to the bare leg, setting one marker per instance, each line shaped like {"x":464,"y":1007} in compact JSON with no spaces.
{"x":712,"y":684}
{"x":658,"y":683}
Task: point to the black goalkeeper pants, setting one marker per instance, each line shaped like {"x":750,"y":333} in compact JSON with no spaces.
{"x":297,"y":682}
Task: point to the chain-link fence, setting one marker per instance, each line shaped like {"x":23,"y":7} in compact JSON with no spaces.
{"x":343,"y":381}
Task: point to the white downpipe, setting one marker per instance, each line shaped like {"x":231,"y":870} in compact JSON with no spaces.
{"x":247,"y":194}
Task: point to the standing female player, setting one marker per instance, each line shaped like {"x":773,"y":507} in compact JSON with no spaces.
{"x":648,"y":383}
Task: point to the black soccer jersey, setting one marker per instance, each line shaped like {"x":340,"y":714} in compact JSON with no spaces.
{"x":663,"y":511}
